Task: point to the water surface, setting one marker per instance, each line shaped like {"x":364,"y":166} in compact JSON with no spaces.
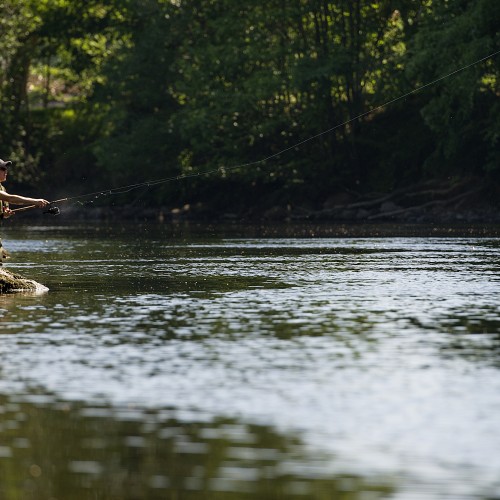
{"x":166,"y":364}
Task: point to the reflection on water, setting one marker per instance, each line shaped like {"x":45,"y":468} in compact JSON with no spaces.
{"x":166,"y":365}
{"x":57,"y":449}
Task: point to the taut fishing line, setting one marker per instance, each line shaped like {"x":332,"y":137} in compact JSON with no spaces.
{"x":126,"y":189}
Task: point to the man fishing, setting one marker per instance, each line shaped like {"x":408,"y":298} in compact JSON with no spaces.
{"x":6,"y":198}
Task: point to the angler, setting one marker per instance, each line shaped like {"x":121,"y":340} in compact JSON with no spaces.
{"x":6,"y":198}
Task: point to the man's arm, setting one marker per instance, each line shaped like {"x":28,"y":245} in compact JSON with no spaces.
{"x":22,"y":200}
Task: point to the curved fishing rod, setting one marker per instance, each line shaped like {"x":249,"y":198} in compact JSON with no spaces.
{"x":54,"y":210}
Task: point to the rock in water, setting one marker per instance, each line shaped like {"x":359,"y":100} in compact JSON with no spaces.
{"x":11,"y":282}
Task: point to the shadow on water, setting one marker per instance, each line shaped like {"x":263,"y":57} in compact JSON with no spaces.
{"x":58,"y":450}
{"x":178,"y":284}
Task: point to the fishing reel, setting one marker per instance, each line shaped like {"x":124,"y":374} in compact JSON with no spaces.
{"x":52,"y":210}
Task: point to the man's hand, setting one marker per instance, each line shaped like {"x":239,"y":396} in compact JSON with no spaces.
{"x":7,"y":213}
{"x":41,"y":202}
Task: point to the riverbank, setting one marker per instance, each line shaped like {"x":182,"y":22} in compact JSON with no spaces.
{"x":468,"y":201}
{"x":465,"y":208}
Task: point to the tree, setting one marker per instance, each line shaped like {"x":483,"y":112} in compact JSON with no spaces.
{"x":17,"y":45}
{"x":260,"y":77}
{"x":283,"y":89}
{"x":136,"y":100}
{"x":462,"y":112}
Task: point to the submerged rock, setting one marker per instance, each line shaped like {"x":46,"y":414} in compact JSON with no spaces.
{"x":12,"y":282}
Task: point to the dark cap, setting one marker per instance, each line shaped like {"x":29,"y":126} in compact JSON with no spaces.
{"x":5,"y":164}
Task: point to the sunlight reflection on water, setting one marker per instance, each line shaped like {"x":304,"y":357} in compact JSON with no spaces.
{"x":380,"y":355}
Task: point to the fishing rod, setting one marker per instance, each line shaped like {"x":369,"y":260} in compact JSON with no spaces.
{"x":54,"y":210}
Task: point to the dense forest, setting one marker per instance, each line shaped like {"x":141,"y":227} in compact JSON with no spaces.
{"x":299,"y":106}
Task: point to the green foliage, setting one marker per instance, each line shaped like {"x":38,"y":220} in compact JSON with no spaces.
{"x":267,"y":75}
{"x":136,"y":102}
{"x":462,"y":112}
{"x":17,"y":22}
{"x":114,"y":92}
{"x":51,"y":58}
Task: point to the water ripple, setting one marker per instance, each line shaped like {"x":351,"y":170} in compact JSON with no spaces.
{"x":380,"y":353}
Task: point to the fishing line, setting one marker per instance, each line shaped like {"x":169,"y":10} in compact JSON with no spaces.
{"x":223,"y":169}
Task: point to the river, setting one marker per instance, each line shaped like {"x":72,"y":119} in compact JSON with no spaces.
{"x":166,"y":362}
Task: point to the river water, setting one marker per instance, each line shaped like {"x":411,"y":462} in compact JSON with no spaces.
{"x":171,"y":363}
